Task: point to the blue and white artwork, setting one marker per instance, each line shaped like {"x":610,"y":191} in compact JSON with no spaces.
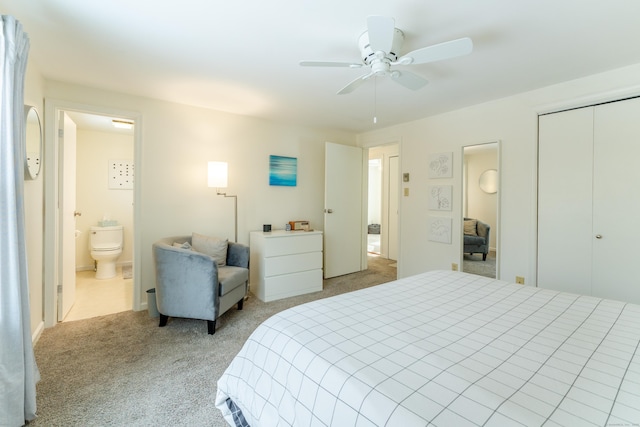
{"x":283,"y":171}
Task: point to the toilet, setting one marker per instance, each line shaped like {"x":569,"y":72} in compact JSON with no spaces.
{"x":106,"y":246}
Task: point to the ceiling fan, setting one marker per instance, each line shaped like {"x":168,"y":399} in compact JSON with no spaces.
{"x":379,"y":48}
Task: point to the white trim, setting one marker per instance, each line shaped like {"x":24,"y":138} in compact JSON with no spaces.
{"x":588,"y":100}
{"x":37,"y":333}
{"x":51,"y":190}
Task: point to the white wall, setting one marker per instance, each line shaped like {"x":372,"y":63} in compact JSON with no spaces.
{"x":177,"y":142}
{"x":512,"y":120}
{"x":34,"y":210}
{"x":94,"y":198}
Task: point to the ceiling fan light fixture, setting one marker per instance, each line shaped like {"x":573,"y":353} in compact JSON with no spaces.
{"x":379,"y":47}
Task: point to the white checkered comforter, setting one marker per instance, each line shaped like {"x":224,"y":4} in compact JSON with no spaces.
{"x":445,"y":349}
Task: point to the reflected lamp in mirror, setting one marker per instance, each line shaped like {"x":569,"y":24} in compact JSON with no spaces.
{"x":32,"y":142}
{"x":489,"y":181}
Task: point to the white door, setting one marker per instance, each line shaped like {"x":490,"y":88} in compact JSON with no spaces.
{"x":588,"y":200}
{"x":616,"y":199}
{"x":392,"y":224}
{"x":565,"y":179}
{"x":67,"y":281}
{"x":343,"y":226}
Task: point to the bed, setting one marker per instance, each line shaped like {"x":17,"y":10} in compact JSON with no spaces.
{"x":440,"y":348}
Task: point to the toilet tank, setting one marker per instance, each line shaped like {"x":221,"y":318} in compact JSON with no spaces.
{"x":105,"y":238}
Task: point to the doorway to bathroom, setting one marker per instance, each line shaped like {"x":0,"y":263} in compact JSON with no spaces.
{"x":102,"y":150}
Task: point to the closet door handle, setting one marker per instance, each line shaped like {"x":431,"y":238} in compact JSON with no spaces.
{"x":598,"y":236}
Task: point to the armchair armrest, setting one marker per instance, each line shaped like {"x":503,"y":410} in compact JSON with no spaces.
{"x":483,"y":230}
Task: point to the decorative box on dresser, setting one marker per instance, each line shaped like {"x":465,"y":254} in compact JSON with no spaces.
{"x":285,"y":263}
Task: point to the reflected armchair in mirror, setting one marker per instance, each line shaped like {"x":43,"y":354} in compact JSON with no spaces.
{"x":476,"y":237}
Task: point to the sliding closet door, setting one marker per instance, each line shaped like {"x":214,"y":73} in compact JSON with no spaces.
{"x":616,"y":194}
{"x":589,"y":201}
{"x":565,"y":179}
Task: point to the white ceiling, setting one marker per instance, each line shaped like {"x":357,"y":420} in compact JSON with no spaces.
{"x":242,"y":56}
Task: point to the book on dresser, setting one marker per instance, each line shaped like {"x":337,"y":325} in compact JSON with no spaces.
{"x":285,"y":263}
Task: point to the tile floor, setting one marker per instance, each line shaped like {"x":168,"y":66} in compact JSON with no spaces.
{"x":100,"y":297}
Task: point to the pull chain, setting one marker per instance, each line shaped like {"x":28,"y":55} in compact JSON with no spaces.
{"x":375,"y":100}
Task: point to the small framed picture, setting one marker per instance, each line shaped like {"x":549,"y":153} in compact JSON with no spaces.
{"x":283,"y":171}
{"x":441,"y":165}
{"x":440,"y":197}
{"x":439,"y":229}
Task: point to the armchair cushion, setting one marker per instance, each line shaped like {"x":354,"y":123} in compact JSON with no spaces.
{"x":231,"y":277}
{"x":212,"y":246}
{"x":474,"y":240}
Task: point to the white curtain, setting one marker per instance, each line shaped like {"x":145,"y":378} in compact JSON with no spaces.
{"x":18,"y":370}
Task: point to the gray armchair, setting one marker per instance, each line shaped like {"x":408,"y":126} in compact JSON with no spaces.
{"x":190,"y":284}
{"x":478,"y":242}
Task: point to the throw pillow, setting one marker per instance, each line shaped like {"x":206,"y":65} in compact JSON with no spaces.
{"x":470,"y":227}
{"x":212,"y":246}
{"x":184,"y":245}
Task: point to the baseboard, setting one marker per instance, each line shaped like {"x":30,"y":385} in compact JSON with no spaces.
{"x":91,"y":267}
{"x":37,"y":333}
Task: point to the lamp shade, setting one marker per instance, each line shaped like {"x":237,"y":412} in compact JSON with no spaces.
{"x":217,"y":176}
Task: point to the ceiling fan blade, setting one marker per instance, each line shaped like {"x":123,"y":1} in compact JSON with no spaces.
{"x":380,"y":29}
{"x":438,"y":52}
{"x":408,"y":79}
{"x":354,"y":84}
{"x":329,"y":64}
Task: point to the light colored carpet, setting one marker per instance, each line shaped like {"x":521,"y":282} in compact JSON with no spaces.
{"x":475,"y":265}
{"x":122,"y":369}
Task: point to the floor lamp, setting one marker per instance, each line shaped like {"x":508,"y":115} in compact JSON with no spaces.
{"x":217,"y":178}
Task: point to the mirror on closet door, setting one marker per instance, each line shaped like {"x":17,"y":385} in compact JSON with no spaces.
{"x":480,"y":208}
{"x":32,"y":142}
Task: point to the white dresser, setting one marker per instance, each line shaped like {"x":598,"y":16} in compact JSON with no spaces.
{"x":285,"y":263}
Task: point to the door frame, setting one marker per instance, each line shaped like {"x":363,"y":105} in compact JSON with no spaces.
{"x":365,"y":197}
{"x":52,"y":182}
{"x":68,"y":148}
{"x":463,"y":205}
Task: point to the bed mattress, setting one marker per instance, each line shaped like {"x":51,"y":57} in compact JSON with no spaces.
{"x":441,"y":348}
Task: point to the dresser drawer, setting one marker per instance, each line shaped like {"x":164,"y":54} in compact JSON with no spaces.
{"x":292,"y":284}
{"x":292,"y":244}
{"x":274,"y":266}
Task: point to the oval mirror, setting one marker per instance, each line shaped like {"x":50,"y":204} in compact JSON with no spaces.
{"x":32,"y":143}
{"x":489,"y":181}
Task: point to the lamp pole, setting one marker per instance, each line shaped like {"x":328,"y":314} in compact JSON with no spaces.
{"x":235,"y":211}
